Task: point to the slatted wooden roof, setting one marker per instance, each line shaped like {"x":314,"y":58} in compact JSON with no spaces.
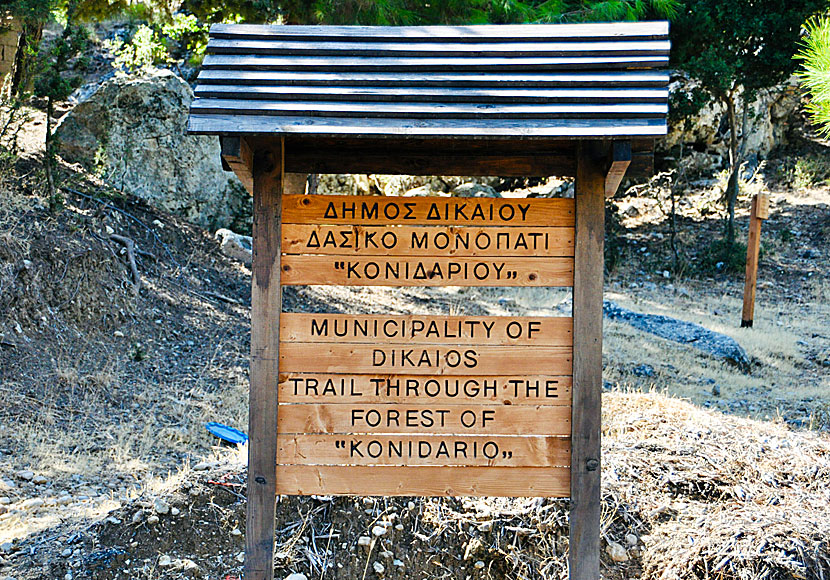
{"x":558,"y":81}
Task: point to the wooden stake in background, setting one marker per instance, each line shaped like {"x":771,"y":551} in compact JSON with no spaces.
{"x":759,"y":212}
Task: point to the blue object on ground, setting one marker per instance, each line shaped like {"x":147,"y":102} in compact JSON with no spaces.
{"x":226,"y":433}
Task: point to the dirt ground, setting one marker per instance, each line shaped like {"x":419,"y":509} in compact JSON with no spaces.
{"x":106,"y":387}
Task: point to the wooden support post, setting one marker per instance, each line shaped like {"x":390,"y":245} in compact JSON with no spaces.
{"x":583,"y":557}
{"x":266,"y":304}
{"x":758,"y":213}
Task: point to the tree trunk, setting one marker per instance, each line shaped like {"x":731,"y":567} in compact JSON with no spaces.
{"x":734,"y":170}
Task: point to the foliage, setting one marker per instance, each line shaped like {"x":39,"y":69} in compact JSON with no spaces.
{"x":815,"y":69}
{"x":405,"y":12}
{"x":734,"y":49}
{"x":53,"y":80}
{"x":723,"y":257}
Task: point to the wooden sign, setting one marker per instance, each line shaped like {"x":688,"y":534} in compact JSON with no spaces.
{"x":425,"y":405}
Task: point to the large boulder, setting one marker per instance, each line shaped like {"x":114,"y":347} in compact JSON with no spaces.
{"x":132,"y":132}
{"x":769,"y":118}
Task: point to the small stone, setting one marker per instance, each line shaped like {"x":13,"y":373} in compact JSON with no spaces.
{"x":137,"y":516}
{"x":240,"y":557}
{"x":236,"y":532}
{"x":25,"y":475}
{"x":364,"y":541}
{"x":386,"y":554}
{"x":175,"y":511}
{"x":109,"y":230}
{"x":378,"y":531}
{"x":67,"y":552}
{"x":161,"y":507}
{"x":32,"y":504}
{"x":165,"y":560}
{"x":411,"y":505}
{"x":666,"y":274}
{"x":67,"y":576}
{"x":399,"y":527}
{"x":6,"y":548}
{"x":632,"y":540}
{"x":5,"y":500}
{"x":378,"y":568}
{"x":202,"y":466}
{"x":478,"y":565}
{"x":616,"y":552}
{"x":716,"y":390}
{"x":39,"y":479}
{"x":152,"y":519}
{"x":397,"y":563}
{"x":118,"y":334}
{"x":296,"y":576}
{"x":113,"y":520}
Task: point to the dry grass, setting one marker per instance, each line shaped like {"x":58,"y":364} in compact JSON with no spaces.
{"x":782,"y":374}
{"x":717,"y":497}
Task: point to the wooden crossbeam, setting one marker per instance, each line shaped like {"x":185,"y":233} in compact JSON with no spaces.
{"x":237,"y":156}
{"x":620,"y":160}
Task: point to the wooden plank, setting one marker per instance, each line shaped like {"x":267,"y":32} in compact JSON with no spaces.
{"x":620,"y":160}
{"x":517,"y":49}
{"x":237,"y":154}
{"x":370,"y":110}
{"x":266,"y":303}
{"x":424,"y":481}
{"x":387,"y":358}
{"x":426,"y":156}
{"x":614,"y":30}
{"x":442,"y":162}
{"x":603,"y":80}
{"x":346,"y":240}
{"x":416,"y":450}
{"x":759,"y":212}
{"x":573,"y":129}
{"x":427,"y":94}
{"x":554,"y":420}
{"x":446,"y":390}
{"x":415,"y":329}
{"x":584,"y":518}
{"x":375,"y":210}
{"x":434,"y":64}
{"x":426,"y":271}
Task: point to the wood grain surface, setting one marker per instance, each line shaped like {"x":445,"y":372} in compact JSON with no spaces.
{"x":415,"y":329}
{"x":426,"y":419}
{"x":446,"y":390}
{"x":424,"y":481}
{"x":476,"y":450}
{"x":319,"y":357}
{"x":347,"y":240}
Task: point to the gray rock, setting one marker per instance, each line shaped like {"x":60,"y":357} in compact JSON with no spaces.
{"x":161,"y":507}
{"x":474,"y":190}
{"x":616,"y":552}
{"x":25,"y":475}
{"x":643,"y":370}
{"x":132,"y":132}
{"x":694,"y":335}
{"x":235,"y":245}
{"x":769,"y":119}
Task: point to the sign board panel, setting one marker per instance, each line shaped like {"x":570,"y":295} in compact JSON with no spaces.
{"x":388,"y":404}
